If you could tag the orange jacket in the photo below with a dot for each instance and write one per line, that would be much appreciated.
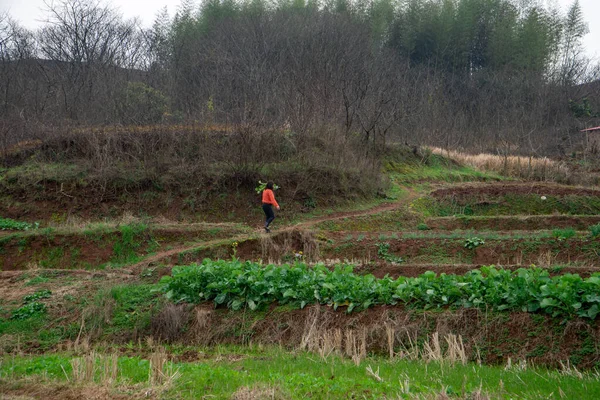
(268, 197)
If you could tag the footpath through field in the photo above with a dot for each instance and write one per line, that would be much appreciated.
(412, 195)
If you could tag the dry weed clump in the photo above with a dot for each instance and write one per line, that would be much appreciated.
(320, 337)
(570, 370)
(532, 168)
(351, 343)
(453, 352)
(94, 367)
(169, 324)
(289, 245)
(258, 393)
(161, 372)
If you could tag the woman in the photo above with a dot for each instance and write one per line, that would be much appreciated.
(268, 201)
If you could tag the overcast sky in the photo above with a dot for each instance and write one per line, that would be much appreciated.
(31, 12)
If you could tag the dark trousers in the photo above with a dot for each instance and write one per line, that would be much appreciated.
(269, 214)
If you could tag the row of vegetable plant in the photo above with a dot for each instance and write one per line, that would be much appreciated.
(238, 284)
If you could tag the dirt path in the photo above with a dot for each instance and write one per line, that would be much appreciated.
(354, 214)
(302, 225)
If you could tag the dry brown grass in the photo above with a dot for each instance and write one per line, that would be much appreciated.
(170, 322)
(29, 389)
(453, 352)
(161, 373)
(325, 342)
(304, 244)
(95, 367)
(531, 168)
(258, 393)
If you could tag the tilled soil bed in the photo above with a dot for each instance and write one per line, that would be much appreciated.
(290, 246)
(88, 251)
(507, 223)
(521, 251)
(497, 189)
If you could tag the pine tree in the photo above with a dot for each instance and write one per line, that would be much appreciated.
(575, 28)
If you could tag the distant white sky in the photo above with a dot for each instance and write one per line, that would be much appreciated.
(30, 14)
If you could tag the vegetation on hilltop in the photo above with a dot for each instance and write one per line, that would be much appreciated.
(498, 75)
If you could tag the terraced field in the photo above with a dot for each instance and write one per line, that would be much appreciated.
(76, 288)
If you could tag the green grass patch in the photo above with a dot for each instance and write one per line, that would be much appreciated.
(564, 234)
(509, 204)
(37, 329)
(405, 168)
(594, 230)
(37, 280)
(383, 221)
(490, 235)
(11, 224)
(407, 174)
(279, 374)
(131, 308)
(126, 247)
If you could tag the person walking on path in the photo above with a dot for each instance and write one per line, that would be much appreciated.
(268, 201)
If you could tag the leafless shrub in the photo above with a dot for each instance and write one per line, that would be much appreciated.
(170, 322)
(200, 326)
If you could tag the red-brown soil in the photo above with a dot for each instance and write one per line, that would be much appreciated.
(423, 251)
(25, 390)
(535, 337)
(494, 336)
(71, 250)
(13, 283)
(510, 223)
(517, 251)
(501, 189)
(55, 201)
(247, 243)
(503, 252)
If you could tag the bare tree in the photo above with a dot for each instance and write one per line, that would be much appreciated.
(90, 48)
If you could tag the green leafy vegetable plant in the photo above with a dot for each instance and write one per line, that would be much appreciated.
(238, 285)
(40, 294)
(564, 234)
(29, 310)
(383, 252)
(594, 230)
(31, 306)
(474, 242)
(11, 224)
(262, 186)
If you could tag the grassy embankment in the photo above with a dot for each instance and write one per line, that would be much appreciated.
(259, 372)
